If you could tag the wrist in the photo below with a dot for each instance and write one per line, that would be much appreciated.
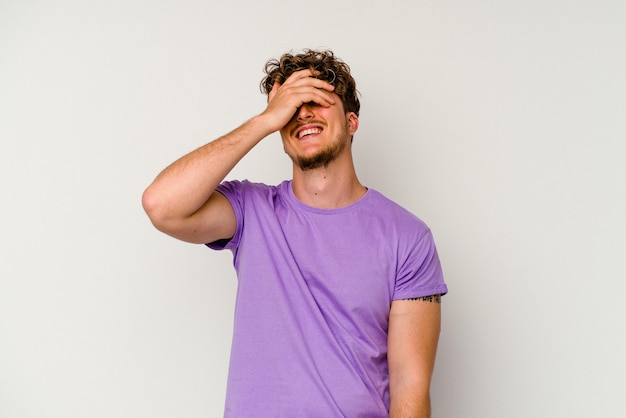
(268, 122)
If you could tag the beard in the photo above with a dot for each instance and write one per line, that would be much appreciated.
(322, 158)
(325, 156)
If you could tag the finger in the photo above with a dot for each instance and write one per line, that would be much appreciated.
(315, 95)
(300, 74)
(311, 82)
(307, 75)
(325, 100)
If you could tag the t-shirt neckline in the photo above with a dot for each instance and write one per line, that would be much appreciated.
(291, 196)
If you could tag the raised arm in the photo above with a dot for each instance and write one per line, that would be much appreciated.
(414, 327)
(182, 201)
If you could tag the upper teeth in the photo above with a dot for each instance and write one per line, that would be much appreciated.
(308, 132)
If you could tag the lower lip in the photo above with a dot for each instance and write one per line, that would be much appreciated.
(308, 136)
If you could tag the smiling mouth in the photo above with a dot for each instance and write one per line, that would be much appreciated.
(309, 131)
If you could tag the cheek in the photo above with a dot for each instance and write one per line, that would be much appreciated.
(288, 145)
(284, 133)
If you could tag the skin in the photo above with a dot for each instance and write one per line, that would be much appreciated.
(412, 345)
(182, 202)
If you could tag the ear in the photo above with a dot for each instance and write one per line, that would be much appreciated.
(353, 122)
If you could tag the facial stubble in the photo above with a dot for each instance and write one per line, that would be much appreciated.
(324, 156)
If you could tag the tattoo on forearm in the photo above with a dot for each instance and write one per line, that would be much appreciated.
(431, 298)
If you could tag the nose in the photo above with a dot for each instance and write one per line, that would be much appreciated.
(304, 112)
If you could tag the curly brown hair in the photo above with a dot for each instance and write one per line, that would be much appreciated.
(329, 67)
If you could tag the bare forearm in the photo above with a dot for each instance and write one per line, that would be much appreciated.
(410, 404)
(414, 327)
(184, 186)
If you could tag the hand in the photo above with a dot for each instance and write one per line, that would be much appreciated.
(301, 87)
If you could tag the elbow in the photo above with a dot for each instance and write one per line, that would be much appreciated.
(162, 214)
(153, 206)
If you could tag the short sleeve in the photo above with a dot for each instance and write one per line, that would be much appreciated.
(234, 191)
(420, 273)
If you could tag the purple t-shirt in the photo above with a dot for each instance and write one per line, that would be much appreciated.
(314, 292)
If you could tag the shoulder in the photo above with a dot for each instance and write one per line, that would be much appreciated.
(246, 195)
(397, 214)
(246, 187)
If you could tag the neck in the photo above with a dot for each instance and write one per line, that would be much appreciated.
(330, 187)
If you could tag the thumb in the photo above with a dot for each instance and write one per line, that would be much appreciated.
(272, 92)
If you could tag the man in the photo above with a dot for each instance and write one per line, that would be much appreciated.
(338, 300)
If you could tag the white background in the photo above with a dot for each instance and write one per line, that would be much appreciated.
(502, 124)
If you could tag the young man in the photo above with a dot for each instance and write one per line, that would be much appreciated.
(338, 301)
